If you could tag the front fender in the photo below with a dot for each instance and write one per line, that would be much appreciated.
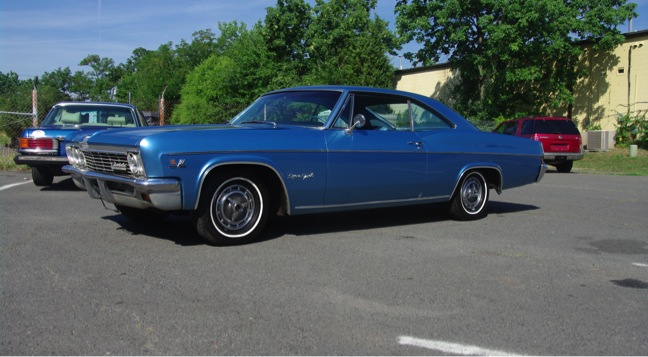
(242, 160)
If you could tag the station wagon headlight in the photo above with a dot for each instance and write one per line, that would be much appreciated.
(135, 164)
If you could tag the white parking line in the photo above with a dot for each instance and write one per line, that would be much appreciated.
(447, 347)
(640, 265)
(13, 185)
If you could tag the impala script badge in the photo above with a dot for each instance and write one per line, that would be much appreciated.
(301, 176)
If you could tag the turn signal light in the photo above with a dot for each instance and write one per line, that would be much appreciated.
(39, 143)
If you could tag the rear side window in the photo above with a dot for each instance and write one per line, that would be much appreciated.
(507, 128)
(555, 127)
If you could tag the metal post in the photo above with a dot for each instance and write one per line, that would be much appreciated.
(34, 107)
(162, 108)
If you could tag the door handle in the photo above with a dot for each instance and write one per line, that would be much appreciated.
(418, 144)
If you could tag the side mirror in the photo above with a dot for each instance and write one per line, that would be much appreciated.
(359, 122)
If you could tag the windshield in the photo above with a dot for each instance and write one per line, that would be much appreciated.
(306, 108)
(89, 115)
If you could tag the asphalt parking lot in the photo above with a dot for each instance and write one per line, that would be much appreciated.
(556, 268)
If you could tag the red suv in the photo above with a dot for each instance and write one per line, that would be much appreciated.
(560, 138)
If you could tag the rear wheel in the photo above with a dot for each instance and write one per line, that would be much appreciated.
(565, 166)
(42, 176)
(233, 209)
(469, 202)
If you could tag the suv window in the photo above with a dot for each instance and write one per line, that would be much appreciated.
(507, 128)
(556, 127)
(527, 127)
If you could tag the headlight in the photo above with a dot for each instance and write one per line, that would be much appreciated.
(75, 156)
(81, 161)
(135, 164)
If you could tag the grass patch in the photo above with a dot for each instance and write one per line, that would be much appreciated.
(614, 162)
(7, 154)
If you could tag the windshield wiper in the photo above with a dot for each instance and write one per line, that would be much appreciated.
(274, 125)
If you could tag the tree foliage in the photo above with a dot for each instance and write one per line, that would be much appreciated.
(226, 82)
(163, 71)
(348, 46)
(513, 56)
(334, 42)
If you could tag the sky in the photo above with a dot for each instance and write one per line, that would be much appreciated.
(38, 36)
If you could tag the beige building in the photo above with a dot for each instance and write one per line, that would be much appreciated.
(618, 83)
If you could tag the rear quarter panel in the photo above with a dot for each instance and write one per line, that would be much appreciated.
(452, 152)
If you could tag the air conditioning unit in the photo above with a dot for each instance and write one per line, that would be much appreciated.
(600, 140)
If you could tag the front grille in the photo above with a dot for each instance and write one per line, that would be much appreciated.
(108, 163)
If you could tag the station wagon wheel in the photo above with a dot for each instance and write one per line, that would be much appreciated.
(42, 176)
(233, 210)
(469, 201)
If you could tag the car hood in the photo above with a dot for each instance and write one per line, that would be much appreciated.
(132, 137)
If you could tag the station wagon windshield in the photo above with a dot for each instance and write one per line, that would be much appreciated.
(89, 115)
(304, 108)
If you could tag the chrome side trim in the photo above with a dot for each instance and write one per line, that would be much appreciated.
(469, 168)
(410, 201)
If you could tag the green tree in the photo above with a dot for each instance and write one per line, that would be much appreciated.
(347, 46)
(224, 84)
(61, 79)
(148, 74)
(285, 34)
(103, 77)
(513, 56)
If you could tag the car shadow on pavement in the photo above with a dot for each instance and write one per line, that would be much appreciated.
(179, 229)
(375, 218)
(62, 185)
(498, 207)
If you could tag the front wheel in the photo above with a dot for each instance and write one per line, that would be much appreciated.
(469, 202)
(233, 209)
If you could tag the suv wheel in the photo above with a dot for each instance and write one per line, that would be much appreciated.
(565, 166)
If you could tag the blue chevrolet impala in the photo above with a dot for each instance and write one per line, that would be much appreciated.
(304, 150)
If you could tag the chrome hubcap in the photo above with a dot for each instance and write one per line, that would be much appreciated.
(472, 194)
(234, 207)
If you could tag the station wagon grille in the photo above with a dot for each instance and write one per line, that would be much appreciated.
(109, 163)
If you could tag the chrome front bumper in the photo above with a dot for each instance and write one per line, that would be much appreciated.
(163, 194)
